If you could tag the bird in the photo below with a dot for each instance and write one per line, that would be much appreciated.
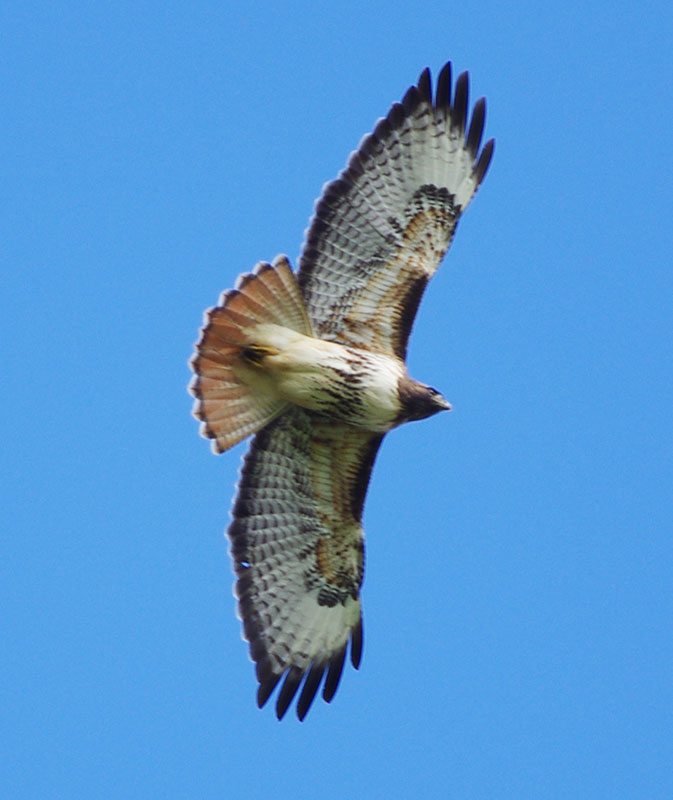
(312, 364)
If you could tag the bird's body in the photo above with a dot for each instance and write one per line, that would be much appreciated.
(314, 365)
(364, 389)
(339, 382)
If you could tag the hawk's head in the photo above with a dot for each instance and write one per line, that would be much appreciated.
(418, 400)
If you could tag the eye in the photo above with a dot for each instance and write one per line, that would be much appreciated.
(432, 390)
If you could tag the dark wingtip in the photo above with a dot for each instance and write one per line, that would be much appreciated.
(336, 666)
(443, 95)
(288, 690)
(476, 127)
(265, 689)
(396, 115)
(411, 99)
(425, 85)
(357, 636)
(481, 167)
(309, 690)
(460, 102)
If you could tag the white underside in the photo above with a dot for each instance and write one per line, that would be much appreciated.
(313, 373)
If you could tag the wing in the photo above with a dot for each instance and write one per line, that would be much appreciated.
(382, 227)
(298, 551)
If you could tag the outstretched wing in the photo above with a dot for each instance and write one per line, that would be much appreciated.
(298, 551)
(382, 227)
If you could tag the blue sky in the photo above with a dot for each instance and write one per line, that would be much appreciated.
(518, 598)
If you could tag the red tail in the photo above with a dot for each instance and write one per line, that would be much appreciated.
(229, 406)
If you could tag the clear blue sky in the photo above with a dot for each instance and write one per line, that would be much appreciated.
(518, 598)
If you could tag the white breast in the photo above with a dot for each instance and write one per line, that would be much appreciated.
(355, 386)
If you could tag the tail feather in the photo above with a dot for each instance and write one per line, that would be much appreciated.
(233, 400)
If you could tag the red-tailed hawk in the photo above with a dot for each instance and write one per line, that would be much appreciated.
(314, 365)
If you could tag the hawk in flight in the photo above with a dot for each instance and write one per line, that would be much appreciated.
(313, 364)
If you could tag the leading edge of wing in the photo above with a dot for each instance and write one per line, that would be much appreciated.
(297, 546)
(380, 229)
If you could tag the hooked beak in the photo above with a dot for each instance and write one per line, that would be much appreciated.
(443, 403)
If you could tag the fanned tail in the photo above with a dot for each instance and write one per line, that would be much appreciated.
(233, 398)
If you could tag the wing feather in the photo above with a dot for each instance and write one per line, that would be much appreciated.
(381, 229)
(298, 551)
